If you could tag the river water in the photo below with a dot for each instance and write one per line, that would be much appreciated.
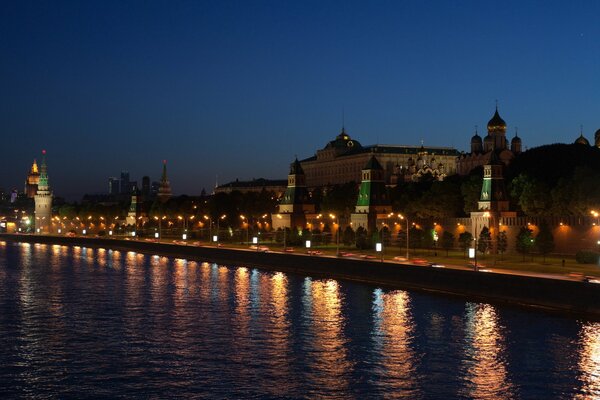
(78, 322)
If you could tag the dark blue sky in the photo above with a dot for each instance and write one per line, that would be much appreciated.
(238, 88)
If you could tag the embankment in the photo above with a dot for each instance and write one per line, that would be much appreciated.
(573, 297)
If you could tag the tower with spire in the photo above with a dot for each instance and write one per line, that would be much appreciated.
(493, 202)
(164, 190)
(296, 203)
(32, 181)
(373, 199)
(43, 201)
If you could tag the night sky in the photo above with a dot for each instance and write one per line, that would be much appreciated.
(237, 89)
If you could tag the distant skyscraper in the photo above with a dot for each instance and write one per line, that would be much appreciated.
(164, 192)
(154, 187)
(43, 201)
(124, 186)
(113, 185)
(146, 187)
(31, 183)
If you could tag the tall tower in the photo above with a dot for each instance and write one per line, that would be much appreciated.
(164, 191)
(493, 203)
(43, 201)
(372, 196)
(295, 203)
(132, 214)
(33, 179)
(493, 191)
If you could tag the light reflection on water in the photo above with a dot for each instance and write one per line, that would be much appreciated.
(589, 363)
(75, 320)
(485, 362)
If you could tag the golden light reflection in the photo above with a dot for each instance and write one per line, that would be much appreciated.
(394, 334)
(102, 258)
(486, 367)
(328, 352)
(589, 362)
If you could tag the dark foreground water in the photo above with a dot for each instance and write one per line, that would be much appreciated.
(80, 323)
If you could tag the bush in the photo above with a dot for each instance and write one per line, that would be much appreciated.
(587, 257)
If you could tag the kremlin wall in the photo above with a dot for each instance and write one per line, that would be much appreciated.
(378, 168)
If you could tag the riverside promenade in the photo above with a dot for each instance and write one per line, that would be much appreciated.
(576, 298)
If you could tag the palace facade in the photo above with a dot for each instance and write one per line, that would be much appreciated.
(343, 158)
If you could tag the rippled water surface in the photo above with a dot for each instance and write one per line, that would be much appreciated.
(78, 322)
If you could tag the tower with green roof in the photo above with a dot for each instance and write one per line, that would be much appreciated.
(43, 201)
(296, 202)
(493, 202)
(373, 198)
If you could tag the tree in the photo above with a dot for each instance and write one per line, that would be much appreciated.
(532, 195)
(361, 238)
(524, 241)
(464, 240)
(386, 236)
(471, 191)
(544, 240)
(348, 236)
(485, 240)
(447, 241)
(502, 242)
(416, 237)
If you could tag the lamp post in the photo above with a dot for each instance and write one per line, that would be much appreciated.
(284, 232)
(407, 230)
(218, 221)
(209, 219)
(243, 218)
(336, 221)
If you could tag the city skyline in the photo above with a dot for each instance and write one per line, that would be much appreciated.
(238, 90)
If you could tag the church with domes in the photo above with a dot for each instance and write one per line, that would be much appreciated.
(494, 142)
(582, 140)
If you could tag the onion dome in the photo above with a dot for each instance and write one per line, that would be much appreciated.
(597, 138)
(496, 124)
(582, 140)
(515, 140)
(476, 139)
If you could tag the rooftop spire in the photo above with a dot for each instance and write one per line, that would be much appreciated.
(164, 191)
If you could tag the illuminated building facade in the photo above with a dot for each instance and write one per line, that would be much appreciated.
(343, 159)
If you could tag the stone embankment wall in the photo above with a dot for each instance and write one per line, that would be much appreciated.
(581, 298)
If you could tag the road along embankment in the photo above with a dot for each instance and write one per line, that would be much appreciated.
(580, 298)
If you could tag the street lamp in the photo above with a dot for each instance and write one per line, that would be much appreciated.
(209, 219)
(284, 233)
(407, 230)
(243, 218)
(219, 220)
(337, 233)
